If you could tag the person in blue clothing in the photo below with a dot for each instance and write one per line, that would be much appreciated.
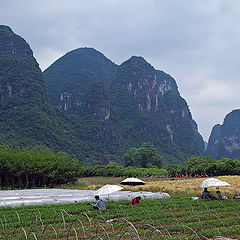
(99, 205)
(207, 194)
(220, 196)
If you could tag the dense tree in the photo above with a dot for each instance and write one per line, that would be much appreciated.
(27, 168)
(142, 156)
(199, 164)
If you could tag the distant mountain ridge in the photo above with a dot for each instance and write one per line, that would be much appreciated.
(224, 140)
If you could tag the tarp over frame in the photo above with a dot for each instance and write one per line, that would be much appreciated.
(62, 196)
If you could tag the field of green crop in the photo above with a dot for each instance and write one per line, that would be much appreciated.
(174, 218)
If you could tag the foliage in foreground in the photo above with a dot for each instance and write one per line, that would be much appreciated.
(153, 219)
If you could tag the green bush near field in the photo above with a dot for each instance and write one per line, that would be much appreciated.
(35, 167)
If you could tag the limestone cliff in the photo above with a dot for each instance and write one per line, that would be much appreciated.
(151, 109)
(100, 108)
(124, 105)
(70, 76)
(27, 117)
(224, 140)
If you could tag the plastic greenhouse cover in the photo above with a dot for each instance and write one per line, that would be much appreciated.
(61, 196)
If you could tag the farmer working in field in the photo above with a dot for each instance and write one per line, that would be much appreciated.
(221, 196)
(135, 200)
(100, 205)
(207, 194)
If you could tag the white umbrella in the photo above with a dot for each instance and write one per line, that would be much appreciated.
(213, 182)
(132, 181)
(107, 189)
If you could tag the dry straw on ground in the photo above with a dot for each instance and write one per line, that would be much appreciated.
(191, 186)
(174, 187)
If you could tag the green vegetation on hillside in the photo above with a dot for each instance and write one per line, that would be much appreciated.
(27, 117)
(134, 106)
(70, 76)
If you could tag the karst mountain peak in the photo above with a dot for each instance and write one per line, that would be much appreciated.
(87, 106)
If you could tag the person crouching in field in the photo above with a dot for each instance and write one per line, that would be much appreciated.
(100, 204)
(220, 196)
(236, 196)
(135, 200)
(207, 194)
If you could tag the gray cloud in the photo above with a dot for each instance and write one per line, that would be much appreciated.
(197, 42)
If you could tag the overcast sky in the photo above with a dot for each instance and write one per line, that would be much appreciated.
(196, 42)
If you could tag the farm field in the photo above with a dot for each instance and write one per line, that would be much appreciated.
(175, 187)
(174, 218)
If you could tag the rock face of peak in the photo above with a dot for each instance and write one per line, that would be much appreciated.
(21, 78)
(224, 140)
(152, 110)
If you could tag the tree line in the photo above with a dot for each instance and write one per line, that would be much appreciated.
(205, 166)
(120, 171)
(41, 167)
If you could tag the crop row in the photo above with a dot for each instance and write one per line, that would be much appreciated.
(153, 219)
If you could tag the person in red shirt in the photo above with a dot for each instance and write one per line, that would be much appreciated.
(135, 200)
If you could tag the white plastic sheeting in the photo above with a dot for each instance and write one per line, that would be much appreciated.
(61, 196)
